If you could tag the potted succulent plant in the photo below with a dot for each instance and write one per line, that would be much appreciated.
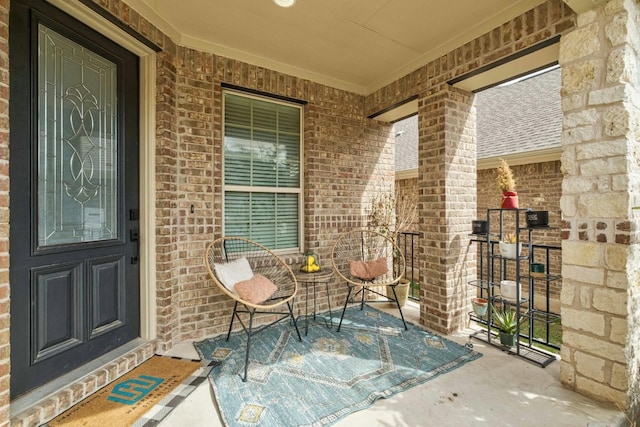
(507, 185)
(506, 320)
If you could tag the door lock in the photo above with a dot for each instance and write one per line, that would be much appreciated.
(134, 237)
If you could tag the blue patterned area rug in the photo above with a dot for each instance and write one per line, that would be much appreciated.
(329, 374)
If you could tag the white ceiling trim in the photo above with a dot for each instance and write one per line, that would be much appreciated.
(516, 67)
(407, 174)
(150, 15)
(517, 159)
(581, 6)
(400, 112)
(218, 49)
(527, 158)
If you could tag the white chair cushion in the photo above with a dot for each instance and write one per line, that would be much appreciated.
(232, 272)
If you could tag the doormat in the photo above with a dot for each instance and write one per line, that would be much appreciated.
(329, 374)
(141, 398)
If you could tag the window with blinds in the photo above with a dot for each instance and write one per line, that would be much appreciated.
(262, 171)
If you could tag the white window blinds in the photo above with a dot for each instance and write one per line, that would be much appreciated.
(262, 174)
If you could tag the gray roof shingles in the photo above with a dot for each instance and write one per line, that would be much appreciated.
(515, 118)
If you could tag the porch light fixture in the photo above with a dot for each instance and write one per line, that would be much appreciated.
(284, 3)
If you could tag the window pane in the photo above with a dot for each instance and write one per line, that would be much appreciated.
(237, 110)
(265, 115)
(237, 154)
(288, 161)
(268, 218)
(288, 119)
(262, 151)
(264, 159)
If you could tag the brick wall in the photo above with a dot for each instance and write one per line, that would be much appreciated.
(346, 157)
(446, 122)
(166, 172)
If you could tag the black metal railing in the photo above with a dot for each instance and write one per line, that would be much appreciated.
(407, 243)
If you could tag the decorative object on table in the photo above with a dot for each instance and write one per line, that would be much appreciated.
(161, 383)
(507, 185)
(536, 269)
(510, 289)
(479, 227)
(510, 247)
(258, 281)
(368, 260)
(506, 320)
(537, 219)
(310, 264)
(312, 382)
(480, 306)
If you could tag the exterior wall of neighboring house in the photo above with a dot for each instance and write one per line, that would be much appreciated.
(347, 158)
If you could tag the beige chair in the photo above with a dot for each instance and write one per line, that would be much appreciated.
(256, 279)
(370, 263)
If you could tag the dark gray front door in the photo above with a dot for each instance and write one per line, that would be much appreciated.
(73, 197)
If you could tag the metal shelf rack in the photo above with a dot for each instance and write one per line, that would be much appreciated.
(494, 268)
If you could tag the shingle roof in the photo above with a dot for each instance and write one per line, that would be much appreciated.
(511, 119)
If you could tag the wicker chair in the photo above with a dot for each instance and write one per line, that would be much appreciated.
(256, 279)
(368, 262)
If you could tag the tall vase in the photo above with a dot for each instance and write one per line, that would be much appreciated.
(509, 200)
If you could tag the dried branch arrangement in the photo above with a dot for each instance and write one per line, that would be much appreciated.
(393, 213)
(505, 177)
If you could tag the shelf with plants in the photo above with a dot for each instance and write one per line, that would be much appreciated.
(511, 299)
(507, 251)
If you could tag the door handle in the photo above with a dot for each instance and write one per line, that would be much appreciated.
(134, 237)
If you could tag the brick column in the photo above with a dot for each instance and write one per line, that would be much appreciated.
(600, 251)
(447, 180)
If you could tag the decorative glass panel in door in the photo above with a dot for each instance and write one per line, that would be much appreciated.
(77, 149)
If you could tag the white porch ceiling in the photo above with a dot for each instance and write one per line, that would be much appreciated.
(356, 45)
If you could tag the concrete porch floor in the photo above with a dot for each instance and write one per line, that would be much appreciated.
(495, 390)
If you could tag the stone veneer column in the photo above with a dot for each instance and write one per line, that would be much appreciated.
(447, 177)
(600, 250)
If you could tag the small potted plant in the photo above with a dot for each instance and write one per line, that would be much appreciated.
(508, 246)
(480, 306)
(507, 185)
(506, 320)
